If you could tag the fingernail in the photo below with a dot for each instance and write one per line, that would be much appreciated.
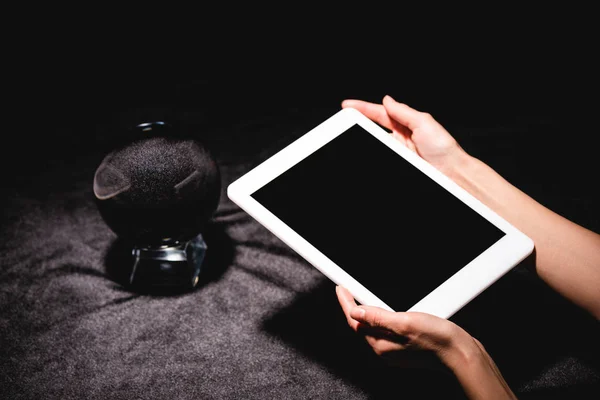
(357, 313)
(388, 97)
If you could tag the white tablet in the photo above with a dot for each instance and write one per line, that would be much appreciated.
(377, 219)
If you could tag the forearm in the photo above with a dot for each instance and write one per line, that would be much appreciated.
(567, 255)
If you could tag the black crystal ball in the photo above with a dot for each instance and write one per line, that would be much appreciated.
(159, 189)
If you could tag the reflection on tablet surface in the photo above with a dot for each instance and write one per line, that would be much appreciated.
(391, 227)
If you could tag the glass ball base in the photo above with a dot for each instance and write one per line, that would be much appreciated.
(171, 267)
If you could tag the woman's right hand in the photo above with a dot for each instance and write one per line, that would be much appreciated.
(418, 131)
(413, 339)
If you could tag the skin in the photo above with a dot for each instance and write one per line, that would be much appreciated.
(566, 257)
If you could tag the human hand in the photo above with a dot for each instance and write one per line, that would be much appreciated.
(409, 339)
(417, 130)
(420, 340)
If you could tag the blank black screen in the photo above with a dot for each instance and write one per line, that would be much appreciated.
(391, 227)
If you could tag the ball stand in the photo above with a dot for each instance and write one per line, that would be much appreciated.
(172, 265)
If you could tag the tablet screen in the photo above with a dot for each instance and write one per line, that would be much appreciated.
(387, 224)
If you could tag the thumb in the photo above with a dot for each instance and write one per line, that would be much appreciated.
(378, 317)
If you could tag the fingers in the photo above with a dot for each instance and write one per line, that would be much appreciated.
(387, 113)
(402, 113)
(379, 114)
(382, 345)
(347, 302)
(396, 327)
(367, 317)
(376, 317)
(375, 112)
(411, 145)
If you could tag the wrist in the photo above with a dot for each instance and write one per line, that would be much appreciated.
(461, 166)
(475, 371)
(476, 178)
(462, 354)
(465, 357)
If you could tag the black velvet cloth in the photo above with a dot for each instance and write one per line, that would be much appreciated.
(262, 323)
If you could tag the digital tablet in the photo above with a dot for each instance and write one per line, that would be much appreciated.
(377, 219)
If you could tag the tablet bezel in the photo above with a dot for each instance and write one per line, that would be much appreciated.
(445, 299)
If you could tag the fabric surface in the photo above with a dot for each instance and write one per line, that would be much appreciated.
(262, 323)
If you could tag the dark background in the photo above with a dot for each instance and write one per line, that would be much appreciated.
(517, 91)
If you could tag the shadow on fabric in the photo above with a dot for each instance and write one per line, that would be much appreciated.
(316, 326)
(524, 326)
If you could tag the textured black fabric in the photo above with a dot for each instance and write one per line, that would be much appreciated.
(262, 323)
